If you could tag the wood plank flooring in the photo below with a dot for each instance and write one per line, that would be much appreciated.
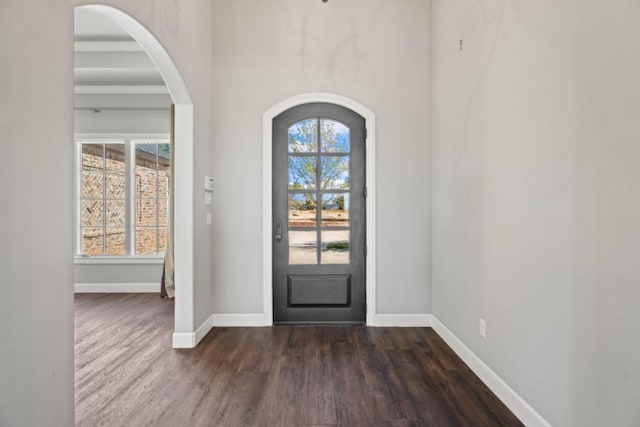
(127, 374)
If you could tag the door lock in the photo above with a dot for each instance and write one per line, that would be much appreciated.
(279, 231)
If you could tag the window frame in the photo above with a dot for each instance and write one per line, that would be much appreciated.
(128, 140)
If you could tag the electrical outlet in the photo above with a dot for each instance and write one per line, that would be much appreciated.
(483, 328)
(209, 219)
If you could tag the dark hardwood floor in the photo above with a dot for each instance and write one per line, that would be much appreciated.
(127, 374)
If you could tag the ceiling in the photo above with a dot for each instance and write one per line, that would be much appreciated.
(109, 64)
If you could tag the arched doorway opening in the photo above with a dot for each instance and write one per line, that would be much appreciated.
(183, 166)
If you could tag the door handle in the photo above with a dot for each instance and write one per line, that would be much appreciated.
(279, 231)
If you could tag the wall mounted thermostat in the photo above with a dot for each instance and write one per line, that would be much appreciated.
(208, 183)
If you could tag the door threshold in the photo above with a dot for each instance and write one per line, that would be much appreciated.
(311, 323)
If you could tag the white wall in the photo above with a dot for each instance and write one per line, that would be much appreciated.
(536, 207)
(36, 134)
(123, 121)
(376, 53)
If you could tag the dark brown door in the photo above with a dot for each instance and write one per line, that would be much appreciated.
(319, 218)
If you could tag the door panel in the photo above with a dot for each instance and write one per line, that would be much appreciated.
(319, 218)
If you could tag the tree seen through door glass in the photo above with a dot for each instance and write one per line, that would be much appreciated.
(303, 137)
(335, 210)
(335, 173)
(318, 179)
(334, 136)
(302, 210)
(302, 172)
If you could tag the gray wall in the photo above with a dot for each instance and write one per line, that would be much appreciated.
(36, 134)
(36, 254)
(376, 53)
(118, 273)
(536, 206)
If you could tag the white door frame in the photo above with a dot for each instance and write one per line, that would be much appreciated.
(267, 180)
(184, 328)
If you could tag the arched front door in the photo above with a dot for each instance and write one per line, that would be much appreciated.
(319, 217)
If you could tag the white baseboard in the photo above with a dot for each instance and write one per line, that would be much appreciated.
(401, 320)
(191, 339)
(240, 320)
(529, 416)
(117, 288)
(260, 319)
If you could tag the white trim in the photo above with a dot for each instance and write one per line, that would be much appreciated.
(130, 195)
(120, 90)
(240, 320)
(118, 137)
(267, 136)
(529, 416)
(107, 46)
(129, 173)
(154, 49)
(184, 164)
(418, 320)
(118, 260)
(191, 339)
(91, 288)
(183, 220)
(77, 193)
(402, 320)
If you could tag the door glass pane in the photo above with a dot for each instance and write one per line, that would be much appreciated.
(334, 136)
(303, 137)
(335, 210)
(335, 173)
(303, 247)
(335, 247)
(302, 210)
(302, 172)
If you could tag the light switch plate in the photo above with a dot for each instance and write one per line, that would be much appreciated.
(208, 183)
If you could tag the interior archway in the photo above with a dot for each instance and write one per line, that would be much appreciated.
(183, 163)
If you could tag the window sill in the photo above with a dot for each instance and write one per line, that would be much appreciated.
(119, 260)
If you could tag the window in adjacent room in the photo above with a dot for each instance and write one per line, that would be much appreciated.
(123, 197)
